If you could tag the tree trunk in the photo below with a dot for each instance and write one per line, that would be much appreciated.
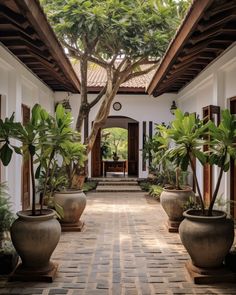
(84, 107)
(104, 110)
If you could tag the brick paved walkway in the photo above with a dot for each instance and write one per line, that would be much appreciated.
(124, 250)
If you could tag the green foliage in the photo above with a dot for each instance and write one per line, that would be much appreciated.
(189, 133)
(114, 140)
(6, 216)
(155, 191)
(89, 185)
(40, 140)
(134, 28)
(161, 166)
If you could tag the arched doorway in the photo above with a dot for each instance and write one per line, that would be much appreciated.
(132, 127)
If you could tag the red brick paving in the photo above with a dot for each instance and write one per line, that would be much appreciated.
(124, 250)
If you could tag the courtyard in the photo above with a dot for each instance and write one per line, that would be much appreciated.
(125, 249)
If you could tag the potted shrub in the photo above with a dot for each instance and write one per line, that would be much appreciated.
(72, 199)
(35, 233)
(207, 234)
(175, 194)
(8, 255)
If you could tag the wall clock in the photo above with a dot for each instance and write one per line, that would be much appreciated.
(117, 106)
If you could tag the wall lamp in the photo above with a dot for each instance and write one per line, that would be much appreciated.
(173, 107)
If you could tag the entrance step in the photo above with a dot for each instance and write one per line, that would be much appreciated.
(114, 179)
(118, 188)
(118, 185)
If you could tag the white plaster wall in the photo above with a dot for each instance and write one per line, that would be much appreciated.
(19, 86)
(215, 85)
(138, 107)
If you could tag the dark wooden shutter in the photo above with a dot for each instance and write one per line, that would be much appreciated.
(25, 198)
(209, 113)
(97, 156)
(0, 118)
(150, 136)
(144, 141)
(133, 142)
(233, 169)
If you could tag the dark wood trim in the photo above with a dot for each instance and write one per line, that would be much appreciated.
(0, 118)
(150, 136)
(144, 166)
(25, 179)
(208, 114)
(233, 168)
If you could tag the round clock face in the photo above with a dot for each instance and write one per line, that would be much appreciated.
(117, 106)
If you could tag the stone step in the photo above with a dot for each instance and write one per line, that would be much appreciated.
(123, 188)
(118, 183)
(113, 179)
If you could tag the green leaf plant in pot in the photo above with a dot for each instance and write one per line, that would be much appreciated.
(207, 234)
(8, 255)
(35, 233)
(72, 199)
(174, 195)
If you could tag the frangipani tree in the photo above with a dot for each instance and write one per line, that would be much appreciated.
(126, 38)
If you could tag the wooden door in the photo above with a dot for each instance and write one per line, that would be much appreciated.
(233, 169)
(25, 198)
(97, 157)
(133, 143)
(209, 113)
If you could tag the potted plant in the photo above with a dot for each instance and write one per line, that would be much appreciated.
(72, 199)
(8, 255)
(207, 234)
(35, 233)
(175, 194)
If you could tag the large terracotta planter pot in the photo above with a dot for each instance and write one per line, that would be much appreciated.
(73, 203)
(207, 239)
(173, 202)
(35, 238)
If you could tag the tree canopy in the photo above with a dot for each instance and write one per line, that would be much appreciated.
(119, 35)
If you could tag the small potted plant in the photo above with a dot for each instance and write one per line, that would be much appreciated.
(72, 199)
(8, 255)
(207, 234)
(174, 195)
(115, 156)
(35, 233)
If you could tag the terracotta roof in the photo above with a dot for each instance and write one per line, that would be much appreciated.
(207, 31)
(25, 32)
(97, 79)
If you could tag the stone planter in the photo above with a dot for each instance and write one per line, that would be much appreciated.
(207, 239)
(35, 238)
(73, 203)
(173, 202)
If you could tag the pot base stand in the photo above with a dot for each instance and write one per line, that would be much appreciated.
(173, 226)
(67, 227)
(203, 276)
(29, 275)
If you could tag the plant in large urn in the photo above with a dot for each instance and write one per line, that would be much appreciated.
(207, 234)
(36, 232)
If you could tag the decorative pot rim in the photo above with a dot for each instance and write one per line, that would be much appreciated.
(184, 189)
(193, 214)
(27, 215)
